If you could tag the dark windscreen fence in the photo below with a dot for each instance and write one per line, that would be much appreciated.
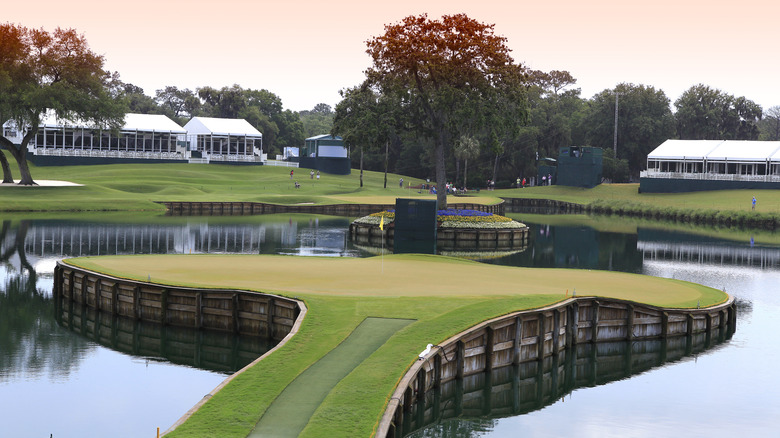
(415, 226)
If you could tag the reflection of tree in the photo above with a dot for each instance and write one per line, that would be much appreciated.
(457, 427)
(28, 339)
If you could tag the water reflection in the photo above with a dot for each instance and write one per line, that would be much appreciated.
(207, 350)
(35, 351)
(517, 390)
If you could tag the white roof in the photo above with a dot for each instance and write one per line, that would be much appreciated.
(151, 122)
(743, 150)
(717, 150)
(683, 149)
(133, 122)
(217, 126)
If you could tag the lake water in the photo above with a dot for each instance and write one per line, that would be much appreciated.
(56, 381)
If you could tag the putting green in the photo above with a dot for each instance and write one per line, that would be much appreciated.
(442, 295)
(289, 413)
(395, 276)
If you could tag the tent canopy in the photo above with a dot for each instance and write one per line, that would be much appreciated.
(218, 126)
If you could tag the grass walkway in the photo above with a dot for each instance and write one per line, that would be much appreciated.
(289, 413)
(443, 296)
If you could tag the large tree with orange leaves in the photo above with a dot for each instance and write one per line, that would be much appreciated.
(55, 71)
(455, 76)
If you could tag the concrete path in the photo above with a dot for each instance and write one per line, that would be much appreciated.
(290, 412)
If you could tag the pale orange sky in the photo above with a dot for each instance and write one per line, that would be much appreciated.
(306, 51)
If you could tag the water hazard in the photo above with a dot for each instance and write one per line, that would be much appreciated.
(107, 375)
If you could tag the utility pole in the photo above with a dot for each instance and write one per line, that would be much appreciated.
(614, 144)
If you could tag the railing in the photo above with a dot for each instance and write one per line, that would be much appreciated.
(280, 163)
(109, 154)
(708, 176)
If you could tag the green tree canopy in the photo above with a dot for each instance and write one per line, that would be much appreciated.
(705, 113)
(644, 121)
(55, 71)
(318, 121)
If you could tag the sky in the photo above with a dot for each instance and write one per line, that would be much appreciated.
(305, 51)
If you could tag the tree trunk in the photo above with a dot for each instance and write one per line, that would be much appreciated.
(441, 173)
(465, 173)
(7, 177)
(387, 147)
(20, 155)
(361, 167)
(495, 168)
(457, 171)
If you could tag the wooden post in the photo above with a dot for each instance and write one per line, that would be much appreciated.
(198, 310)
(689, 325)
(630, 323)
(594, 321)
(164, 306)
(98, 285)
(460, 360)
(236, 324)
(137, 301)
(575, 323)
(518, 341)
(437, 370)
(488, 348)
(556, 330)
(271, 309)
(664, 325)
(114, 298)
(421, 384)
(540, 346)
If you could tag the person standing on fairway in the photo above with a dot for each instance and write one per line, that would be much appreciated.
(754, 202)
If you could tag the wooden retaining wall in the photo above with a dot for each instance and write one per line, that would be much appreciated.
(211, 350)
(543, 206)
(242, 312)
(461, 238)
(531, 337)
(251, 208)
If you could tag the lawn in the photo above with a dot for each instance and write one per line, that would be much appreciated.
(140, 187)
(443, 295)
(137, 187)
(723, 200)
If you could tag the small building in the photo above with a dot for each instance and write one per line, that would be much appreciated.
(143, 137)
(697, 165)
(579, 166)
(225, 140)
(325, 153)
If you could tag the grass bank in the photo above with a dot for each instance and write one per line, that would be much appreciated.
(725, 207)
(443, 295)
(139, 187)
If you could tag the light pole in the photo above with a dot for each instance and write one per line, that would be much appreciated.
(614, 143)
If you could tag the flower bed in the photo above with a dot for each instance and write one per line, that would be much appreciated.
(450, 218)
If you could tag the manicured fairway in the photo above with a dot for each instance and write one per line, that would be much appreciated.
(442, 295)
(289, 413)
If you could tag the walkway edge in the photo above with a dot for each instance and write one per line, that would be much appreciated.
(295, 328)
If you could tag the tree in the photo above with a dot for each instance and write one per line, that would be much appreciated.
(705, 113)
(138, 102)
(466, 147)
(644, 122)
(317, 121)
(178, 103)
(770, 125)
(56, 71)
(364, 119)
(442, 70)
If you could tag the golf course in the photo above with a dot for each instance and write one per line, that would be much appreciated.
(379, 312)
(426, 299)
